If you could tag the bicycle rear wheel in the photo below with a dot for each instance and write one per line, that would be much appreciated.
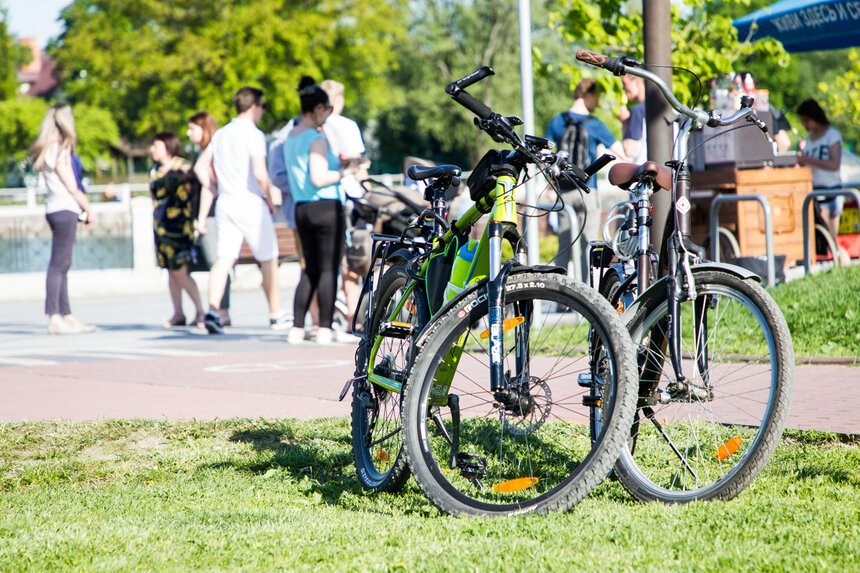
(377, 437)
(527, 447)
(709, 436)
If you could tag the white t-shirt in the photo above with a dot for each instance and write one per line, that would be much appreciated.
(820, 149)
(59, 197)
(344, 138)
(233, 146)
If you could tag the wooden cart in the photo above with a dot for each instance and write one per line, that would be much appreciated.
(784, 189)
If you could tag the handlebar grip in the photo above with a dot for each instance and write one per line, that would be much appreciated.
(472, 78)
(473, 104)
(613, 65)
(599, 164)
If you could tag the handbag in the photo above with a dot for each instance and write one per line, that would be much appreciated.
(359, 248)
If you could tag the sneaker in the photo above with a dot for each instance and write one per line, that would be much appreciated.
(78, 326)
(325, 336)
(296, 336)
(282, 322)
(56, 325)
(212, 322)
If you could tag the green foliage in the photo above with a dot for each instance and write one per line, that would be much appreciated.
(152, 64)
(20, 119)
(450, 39)
(97, 132)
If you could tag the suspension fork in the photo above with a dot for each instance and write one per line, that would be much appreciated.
(503, 222)
(674, 296)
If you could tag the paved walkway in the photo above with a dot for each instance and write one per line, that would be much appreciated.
(132, 368)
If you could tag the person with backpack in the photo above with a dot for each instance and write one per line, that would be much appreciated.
(579, 133)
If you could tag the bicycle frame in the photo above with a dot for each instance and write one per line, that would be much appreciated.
(678, 255)
(486, 262)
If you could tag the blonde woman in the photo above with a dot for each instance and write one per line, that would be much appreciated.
(65, 205)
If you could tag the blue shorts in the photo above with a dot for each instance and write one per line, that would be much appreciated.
(832, 204)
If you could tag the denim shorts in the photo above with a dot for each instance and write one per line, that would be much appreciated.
(832, 204)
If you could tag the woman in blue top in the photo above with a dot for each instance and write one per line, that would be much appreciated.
(314, 174)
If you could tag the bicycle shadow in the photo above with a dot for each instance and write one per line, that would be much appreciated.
(321, 466)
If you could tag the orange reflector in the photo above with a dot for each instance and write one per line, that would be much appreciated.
(508, 324)
(382, 455)
(727, 449)
(401, 324)
(410, 306)
(512, 485)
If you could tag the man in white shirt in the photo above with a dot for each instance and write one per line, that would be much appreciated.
(244, 209)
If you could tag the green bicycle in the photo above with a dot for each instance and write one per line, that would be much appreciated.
(490, 363)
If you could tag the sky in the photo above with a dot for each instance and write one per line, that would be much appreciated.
(34, 18)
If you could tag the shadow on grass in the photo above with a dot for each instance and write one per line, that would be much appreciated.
(320, 460)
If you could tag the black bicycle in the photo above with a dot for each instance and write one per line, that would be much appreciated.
(716, 362)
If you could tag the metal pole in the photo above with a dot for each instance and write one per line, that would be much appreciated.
(526, 81)
(657, 20)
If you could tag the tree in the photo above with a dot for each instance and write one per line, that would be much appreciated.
(152, 63)
(450, 39)
(12, 56)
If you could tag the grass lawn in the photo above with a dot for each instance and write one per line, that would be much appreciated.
(281, 495)
(822, 312)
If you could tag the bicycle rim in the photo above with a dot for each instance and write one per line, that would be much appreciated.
(530, 450)
(711, 438)
(377, 433)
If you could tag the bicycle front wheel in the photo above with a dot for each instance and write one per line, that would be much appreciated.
(708, 436)
(377, 438)
(525, 447)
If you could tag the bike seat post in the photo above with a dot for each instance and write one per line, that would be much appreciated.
(440, 204)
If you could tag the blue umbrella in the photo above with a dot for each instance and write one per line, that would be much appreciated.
(805, 25)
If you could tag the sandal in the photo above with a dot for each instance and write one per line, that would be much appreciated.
(174, 322)
(199, 321)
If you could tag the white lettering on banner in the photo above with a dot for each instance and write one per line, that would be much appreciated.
(818, 16)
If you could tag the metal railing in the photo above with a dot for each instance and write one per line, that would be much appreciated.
(768, 229)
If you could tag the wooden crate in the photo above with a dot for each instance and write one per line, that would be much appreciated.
(785, 189)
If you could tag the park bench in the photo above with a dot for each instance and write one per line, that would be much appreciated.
(287, 251)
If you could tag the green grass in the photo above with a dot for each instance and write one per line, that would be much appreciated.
(281, 495)
(822, 312)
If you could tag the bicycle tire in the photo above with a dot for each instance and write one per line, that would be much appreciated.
(724, 430)
(540, 458)
(377, 442)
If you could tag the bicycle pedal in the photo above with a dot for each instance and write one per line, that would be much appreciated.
(472, 466)
(397, 330)
(592, 401)
(585, 380)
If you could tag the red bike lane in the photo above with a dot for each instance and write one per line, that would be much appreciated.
(301, 381)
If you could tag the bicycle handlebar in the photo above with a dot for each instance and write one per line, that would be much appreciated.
(626, 65)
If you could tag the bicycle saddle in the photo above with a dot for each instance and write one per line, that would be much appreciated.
(422, 172)
(624, 175)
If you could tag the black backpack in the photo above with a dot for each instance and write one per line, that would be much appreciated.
(574, 140)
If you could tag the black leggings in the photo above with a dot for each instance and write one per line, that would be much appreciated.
(321, 227)
(63, 225)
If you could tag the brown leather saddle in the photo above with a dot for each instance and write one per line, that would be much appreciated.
(624, 175)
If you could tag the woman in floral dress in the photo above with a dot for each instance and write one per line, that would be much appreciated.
(175, 193)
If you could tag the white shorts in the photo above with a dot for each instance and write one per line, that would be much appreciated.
(247, 217)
